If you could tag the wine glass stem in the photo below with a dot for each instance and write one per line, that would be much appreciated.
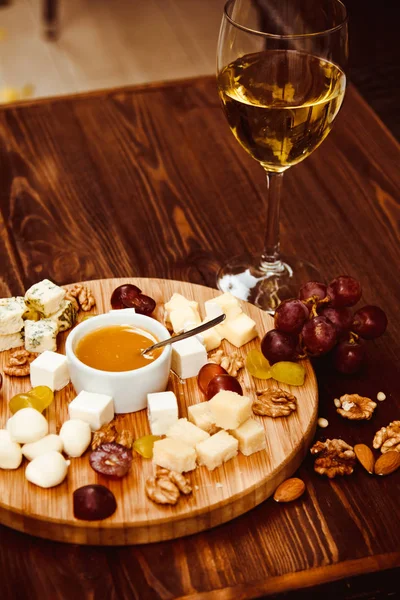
(270, 258)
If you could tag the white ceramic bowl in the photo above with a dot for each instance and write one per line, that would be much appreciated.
(129, 389)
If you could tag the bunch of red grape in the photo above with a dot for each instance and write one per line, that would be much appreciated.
(320, 321)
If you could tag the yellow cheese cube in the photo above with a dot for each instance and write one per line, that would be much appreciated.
(187, 433)
(240, 330)
(251, 437)
(216, 450)
(174, 455)
(178, 302)
(229, 409)
(182, 316)
(225, 303)
(201, 416)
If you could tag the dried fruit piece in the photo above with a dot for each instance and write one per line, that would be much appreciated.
(39, 398)
(365, 457)
(335, 457)
(257, 365)
(387, 463)
(144, 445)
(289, 490)
(208, 372)
(111, 459)
(274, 403)
(223, 382)
(93, 503)
(355, 407)
(388, 438)
(288, 372)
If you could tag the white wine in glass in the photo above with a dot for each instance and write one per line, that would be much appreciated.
(281, 81)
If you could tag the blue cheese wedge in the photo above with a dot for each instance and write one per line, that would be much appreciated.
(11, 311)
(66, 315)
(13, 340)
(45, 297)
(41, 335)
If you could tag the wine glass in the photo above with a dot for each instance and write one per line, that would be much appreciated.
(281, 80)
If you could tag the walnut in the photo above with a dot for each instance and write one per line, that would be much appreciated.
(232, 363)
(274, 403)
(107, 433)
(162, 490)
(82, 296)
(181, 482)
(355, 407)
(19, 363)
(336, 457)
(125, 438)
(388, 438)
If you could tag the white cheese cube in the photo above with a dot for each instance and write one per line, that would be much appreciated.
(201, 416)
(187, 433)
(216, 450)
(184, 316)
(162, 411)
(224, 304)
(188, 356)
(40, 335)
(178, 302)
(240, 330)
(174, 455)
(11, 311)
(210, 338)
(229, 409)
(50, 369)
(45, 297)
(95, 409)
(66, 315)
(251, 437)
(13, 340)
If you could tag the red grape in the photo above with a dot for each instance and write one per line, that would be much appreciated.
(342, 318)
(291, 315)
(111, 459)
(207, 372)
(369, 322)
(319, 336)
(223, 382)
(278, 345)
(143, 305)
(348, 357)
(344, 291)
(313, 288)
(123, 296)
(93, 503)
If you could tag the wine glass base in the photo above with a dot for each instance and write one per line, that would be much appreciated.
(266, 287)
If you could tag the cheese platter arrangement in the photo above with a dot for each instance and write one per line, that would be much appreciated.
(102, 444)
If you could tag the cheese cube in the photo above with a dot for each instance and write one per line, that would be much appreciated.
(45, 297)
(174, 455)
(187, 433)
(188, 356)
(240, 330)
(184, 316)
(13, 340)
(162, 411)
(66, 315)
(40, 335)
(201, 416)
(251, 437)
(223, 304)
(210, 338)
(178, 302)
(95, 409)
(229, 409)
(50, 369)
(216, 450)
(11, 311)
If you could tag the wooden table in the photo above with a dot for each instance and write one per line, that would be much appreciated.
(150, 182)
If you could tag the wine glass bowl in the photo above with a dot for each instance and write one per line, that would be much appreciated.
(281, 82)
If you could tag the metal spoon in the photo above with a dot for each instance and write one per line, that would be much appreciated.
(186, 334)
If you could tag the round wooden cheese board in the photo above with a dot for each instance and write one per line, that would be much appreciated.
(218, 496)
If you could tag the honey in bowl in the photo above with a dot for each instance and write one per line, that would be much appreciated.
(116, 348)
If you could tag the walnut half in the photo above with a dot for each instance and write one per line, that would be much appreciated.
(81, 295)
(232, 363)
(274, 403)
(19, 363)
(166, 486)
(355, 407)
(335, 457)
(388, 438)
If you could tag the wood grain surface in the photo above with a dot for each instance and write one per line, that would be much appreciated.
(218, 496)
(151, 183)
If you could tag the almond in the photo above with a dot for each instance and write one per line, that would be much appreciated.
(365, 457)
(387, 463)
(289, 490)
